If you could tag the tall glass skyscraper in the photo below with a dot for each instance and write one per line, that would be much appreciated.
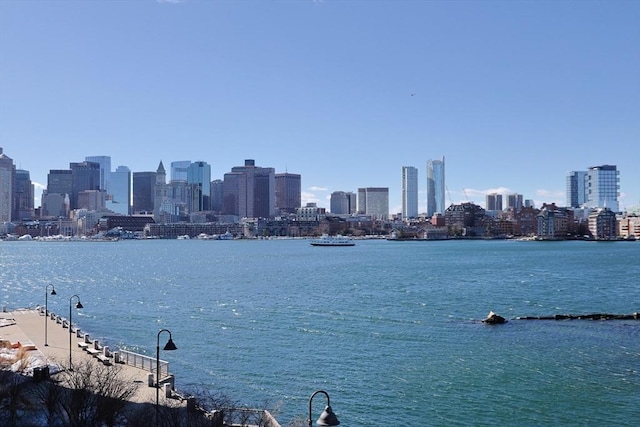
(435, 186)
(121, 190)
(105, 170)
(601, 186)
(409, 192)
(576, 194)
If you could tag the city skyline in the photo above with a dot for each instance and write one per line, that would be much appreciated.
(409, 173)
(514, 95)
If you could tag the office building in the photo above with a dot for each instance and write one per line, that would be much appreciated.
(7, 177)
(494, 202)
(435, 187)
(84, 176)
(249, 191)
(374, 201)
(576, 194)
(180, 170)
(23, 196)
(199, 177)
(120, 191)
(216, 195)
(409, 192)
(60, 181)
(602, 186)
(288, 192)
(143, 192)
(514, 201)
(343, 203)
(105, 171)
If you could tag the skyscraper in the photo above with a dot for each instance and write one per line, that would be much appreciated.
(435, 186)
(494, 202)
(143, 191)
(514, 201)
(180, 170)
(120, 190)
(374, 201)
(576, 194)
(601, 186)
(409, 192)
(342, 203)
(23, 196)
(249, 191)
(199, 177)
(105, 171)
(288, 192)
(7, 177)
(84, 176)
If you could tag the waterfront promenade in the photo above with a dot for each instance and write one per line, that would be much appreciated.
(27, 326)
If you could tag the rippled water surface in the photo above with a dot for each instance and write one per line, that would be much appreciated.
(389, 329)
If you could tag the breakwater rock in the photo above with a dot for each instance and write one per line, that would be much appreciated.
(593, 316)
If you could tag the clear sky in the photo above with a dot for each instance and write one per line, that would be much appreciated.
(514, 94)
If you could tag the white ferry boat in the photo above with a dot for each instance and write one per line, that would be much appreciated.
(327, 240)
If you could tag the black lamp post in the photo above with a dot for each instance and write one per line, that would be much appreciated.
(168, 346)
(78, 305)
(327, 418)
(46, 308)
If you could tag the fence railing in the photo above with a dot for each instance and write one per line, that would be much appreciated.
(146, 363)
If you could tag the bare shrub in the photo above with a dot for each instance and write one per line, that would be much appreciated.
(91, 394)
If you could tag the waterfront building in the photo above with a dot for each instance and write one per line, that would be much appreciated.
(84, 176)
(409, 192)
(602, 185)
(494, 202)
(249, 191)
(120, 192)
(435, 187)
(602, 224)
(514, 201)
(374, 201)
(143, 192)
(466, 218)
(288, 192)
(105, 171)
(552, 223)
(7, 177)
(576, 194)
(629, 226)
(23, 196)
(342, 203)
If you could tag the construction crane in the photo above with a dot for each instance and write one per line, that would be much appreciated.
(449, 194)
(465, 194)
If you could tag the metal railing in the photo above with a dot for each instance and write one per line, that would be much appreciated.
(146, 363)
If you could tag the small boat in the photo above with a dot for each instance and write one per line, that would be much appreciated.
(327, 240)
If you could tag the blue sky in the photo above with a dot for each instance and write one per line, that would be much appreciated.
(514, 94)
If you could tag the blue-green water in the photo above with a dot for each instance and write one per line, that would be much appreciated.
(389, 329)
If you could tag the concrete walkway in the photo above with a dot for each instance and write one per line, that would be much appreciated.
(29, 330)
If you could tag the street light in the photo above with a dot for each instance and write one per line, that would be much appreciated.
(78, 305)
(327, 418)
(46, 308)
(168, 346)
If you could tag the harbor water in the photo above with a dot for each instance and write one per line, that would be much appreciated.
(391, 330)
